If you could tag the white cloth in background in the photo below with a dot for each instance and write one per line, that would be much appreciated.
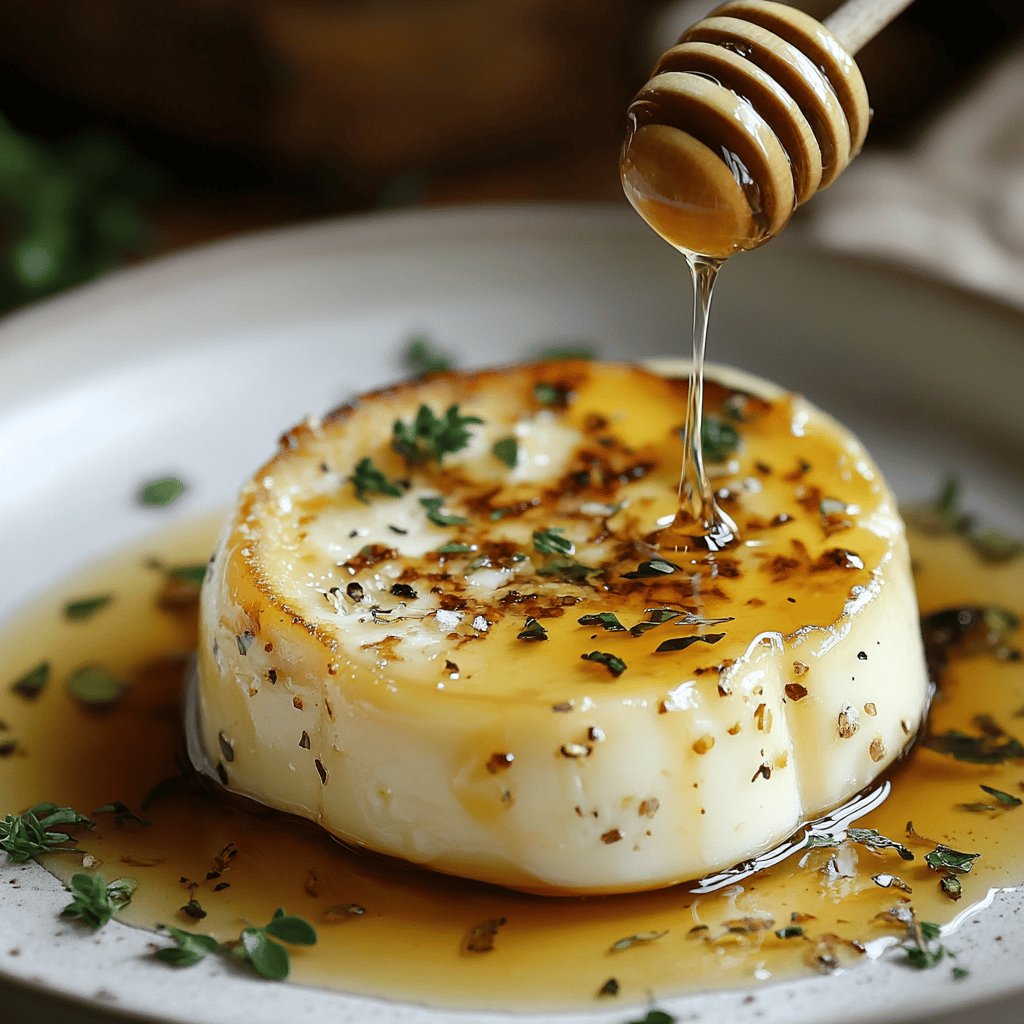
(951, 206)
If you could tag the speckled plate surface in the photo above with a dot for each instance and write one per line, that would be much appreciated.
(198, 362)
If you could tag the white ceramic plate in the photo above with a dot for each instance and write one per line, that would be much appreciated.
(195, 364)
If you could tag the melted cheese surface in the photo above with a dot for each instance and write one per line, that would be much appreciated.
(385, 676)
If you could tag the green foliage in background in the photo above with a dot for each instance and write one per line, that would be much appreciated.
(68, 213)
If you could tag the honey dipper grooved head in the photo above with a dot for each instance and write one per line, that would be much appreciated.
(757, 94)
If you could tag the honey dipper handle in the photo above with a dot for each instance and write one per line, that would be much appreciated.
(858, 21)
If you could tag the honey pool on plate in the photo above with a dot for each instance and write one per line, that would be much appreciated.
(386, 929)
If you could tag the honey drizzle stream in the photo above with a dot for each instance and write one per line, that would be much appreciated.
(409, 943)
(699, 522)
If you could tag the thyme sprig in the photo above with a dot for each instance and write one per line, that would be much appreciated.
(36, 831)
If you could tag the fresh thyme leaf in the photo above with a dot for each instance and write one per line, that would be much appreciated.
(959, 973)
(24, 836)
(942, 858)
(188, 949)
(533, 630)
(983, 749)
(558, 353)
(615, 665)
(453, 547)
(606, 620)
(432, 437)
(422, 357)
(680, 643)
(368, 479)
(553, 541)
(121, 812)
(1006, 799)
(95, 901)
(267, 957)
(791, 931)
(296, 931)
(32, 683)
(95, 686)
(567, 569)
(84, 607)
(655, 1017)
(652, 569)
(164, 491)
(439, 518)
(636, 940)
(507, 450)
(718, 439)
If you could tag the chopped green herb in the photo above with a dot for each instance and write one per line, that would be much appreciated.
(439, 518)
(951, 886)
(188, 948)
(874, 840)
(718, 439)
(194, 910)
(869, 837)
(454, 548)
(945, 515)
(95, 686)
(432, 437)
(553, 541)
(267, 957)
(609, 988)
(791, 931)
(1006, 799)
(636, 940)
(920, 947)
(507, 450)
(191, 574)
(606, 620)
(27, 835)
(95, 901)
(551, 394)
(32, 683)
(567, 569)
(652, 569)
(680, 643)
(942, 858)
(121, 812)
(615, 665)
(368, 479)
(655, 1017)
(158, 493)
(959, 973)
(423, 357)
(886, 881)
(84, 607)
(533, 630)
(559, 353)
(983, 749)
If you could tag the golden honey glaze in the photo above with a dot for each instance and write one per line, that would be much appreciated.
(386, 929)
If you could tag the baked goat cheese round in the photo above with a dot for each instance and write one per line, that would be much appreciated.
(440, 625)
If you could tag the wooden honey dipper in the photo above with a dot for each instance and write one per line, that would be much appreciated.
(754, 110)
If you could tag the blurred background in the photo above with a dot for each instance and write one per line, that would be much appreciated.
(131, 128)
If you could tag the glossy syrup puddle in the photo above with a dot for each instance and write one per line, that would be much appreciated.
(409, 944)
